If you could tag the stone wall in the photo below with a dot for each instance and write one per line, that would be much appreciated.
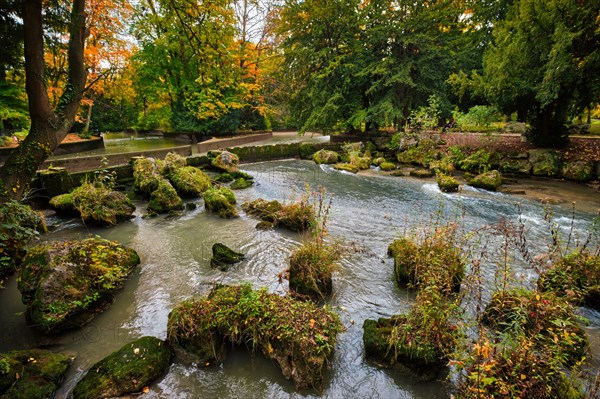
(217, 143)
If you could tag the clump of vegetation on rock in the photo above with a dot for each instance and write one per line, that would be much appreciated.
(421, 173)
(172, 163)
(326, 157)
(241, 183)
(544, 162)
(126, 371)
(19, 224)
(295, 216)
(491, 180)
(164, 199)
(387, 166)
(346, 167)
(223, 256)
(580, 171)
(64, 284)
(146, 175)
(189, 181)
(432, 258)
(446, 183)
(224, 160)
(298, 336)
(575, 277)
(423, 154)
(220, 201)
(31, 374)
(480, 161)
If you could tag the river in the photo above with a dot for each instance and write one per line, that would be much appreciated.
(368, 212)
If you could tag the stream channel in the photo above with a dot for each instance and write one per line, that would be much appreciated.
(368, 212)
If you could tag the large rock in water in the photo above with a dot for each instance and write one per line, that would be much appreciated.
(326, 157)
(189, 181)
(491, 180)
(223, 256)
(126, 371)
(31, 374)
(226, 161)
(220, 201)
(65, 284)
(164, 199)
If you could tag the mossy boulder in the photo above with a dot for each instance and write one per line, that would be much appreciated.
(387, 166)
(298, 336)
(297, 216)
(421, 173)
(545, 317)
(491, 180)
(18, 225)
(378, 161)
(223, 256)
(446, 183)
(361, 161)
(171, 163)
(220, 201)
(164, 199)
(224, 178)
(241, 183)
(544, 162)
(189, 181)
(146, 175)
(311, 269)
(518, 166)
(580, 171)
(31, 374)
(95, 203)
(436, 260)
(326, 157)
(226, 161)
(575, 277)
(64, 284)
(353, 147)
(126, 371)
(346, 167)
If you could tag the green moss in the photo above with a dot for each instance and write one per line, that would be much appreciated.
(326, 157)
(346, 167)
(296, 216)
(164, 199)
(225, 161)
(361, 162)
(387, 166)
(447, 184)
(544, 162)
(580, 171)
(241, 183)
(63, 203)
(480, 161)
(421, 173)
(189, 181)
(171, 163)
(224, 178)
(518, 166)
(311, 269)
(548, 319)
(31, 374)
(126, 371)
(97, 203)
(307, 150)
(264, 210)
(56, 181)
(220, 201)
(378, 161)
(64, 284)
(146, 175)
(575, 277)
(491, 180)
(298, 336)
(223, 256)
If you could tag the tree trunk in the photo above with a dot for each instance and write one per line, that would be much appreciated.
(88, 118)
(48, 127)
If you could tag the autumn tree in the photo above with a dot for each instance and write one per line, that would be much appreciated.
(49, 125)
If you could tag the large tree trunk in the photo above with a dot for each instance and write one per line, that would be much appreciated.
(48, 127)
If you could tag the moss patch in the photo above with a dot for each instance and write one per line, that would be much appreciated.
(447, 184)
(241, 183)
(225, 161)
(346, 167)
(544, 162)
(146, 175)
(297, 336)
(164, 199)
(422, 173)
(491, 180)
(387, 166)
(326, 157)
(223, 256)
(296, 216)
(189, 181)
(126, 371)
(64, 284)
(580, 171)
(220, 201)
(31, 374)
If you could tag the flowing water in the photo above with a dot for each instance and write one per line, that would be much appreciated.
(368, 212)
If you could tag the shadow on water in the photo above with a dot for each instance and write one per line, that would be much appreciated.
(368, 212)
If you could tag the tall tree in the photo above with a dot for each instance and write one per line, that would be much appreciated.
(48, 126)
(545, 63)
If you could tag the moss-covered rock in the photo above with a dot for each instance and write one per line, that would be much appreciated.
(31, 374)
(387, 166)
(544, 162)
(421, 173)
(361, 161)
(164, 199)
(491, 180)
(18, 225)
(95, 203)
(146, 175)
(353, 147)
(518, 166)
(326, 157)
(220, 201)
(296, 216)
(171, 163)
(223, 256)
(267, 211)
(446, 183)
(226, 161)
(435, 260)
(346, 167)
(241, 183)
(189, 181)
(480, 161)
(378, 161)
(298, 336)
(224, 178)
(575, 277)
(580, 171)
(64, 284)
(307, 150)
(545, 317)
(126, 371)
(311, 269)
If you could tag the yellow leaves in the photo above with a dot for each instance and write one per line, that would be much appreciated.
(312, 323)
(145, 390)
(523, 376)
